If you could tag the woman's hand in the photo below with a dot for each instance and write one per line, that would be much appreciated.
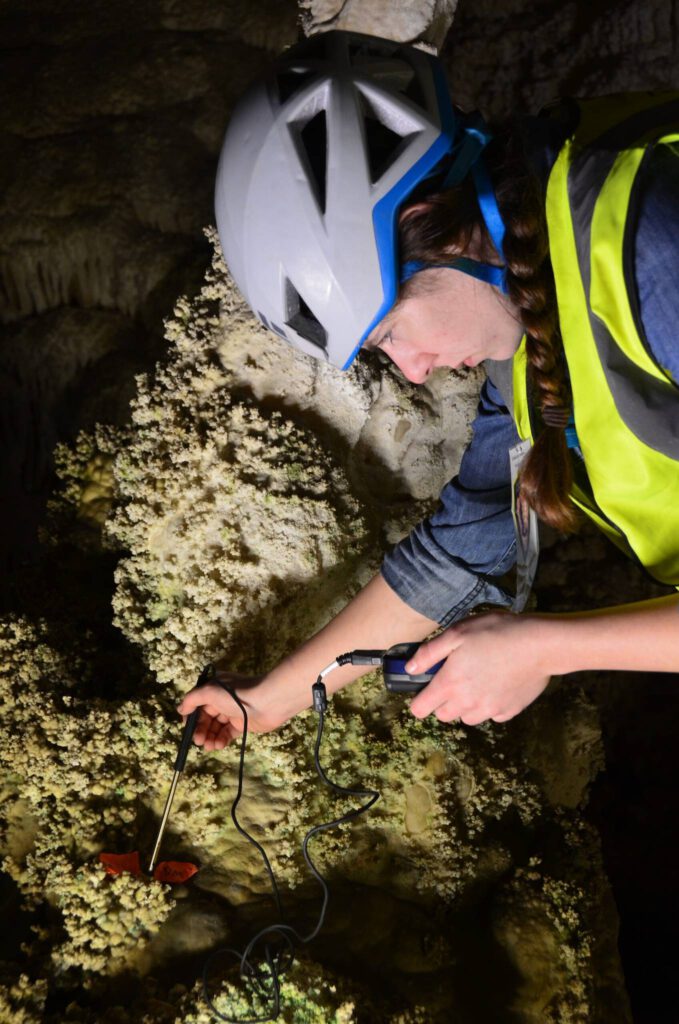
(221, 720)
(496, 665)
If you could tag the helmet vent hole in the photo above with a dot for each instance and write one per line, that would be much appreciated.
(392, 72)
(384, 144)
(314, 144)
(290, 81)
(414, 92)
(302, 319)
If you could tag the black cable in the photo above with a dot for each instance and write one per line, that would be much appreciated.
(345, 791)
(246, 968)
(239, 793)
(282, 930)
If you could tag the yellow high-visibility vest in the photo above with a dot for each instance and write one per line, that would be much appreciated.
(626, 407)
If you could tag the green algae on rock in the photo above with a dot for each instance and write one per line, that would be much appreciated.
(308, 995)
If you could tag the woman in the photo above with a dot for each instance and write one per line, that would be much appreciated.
(358, 209)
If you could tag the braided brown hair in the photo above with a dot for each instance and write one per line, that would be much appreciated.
(443, 224)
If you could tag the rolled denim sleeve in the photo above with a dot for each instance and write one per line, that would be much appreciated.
(447, 564)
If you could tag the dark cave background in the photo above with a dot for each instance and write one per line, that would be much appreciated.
(110, 127)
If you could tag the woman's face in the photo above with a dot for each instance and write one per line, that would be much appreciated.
(453, 320)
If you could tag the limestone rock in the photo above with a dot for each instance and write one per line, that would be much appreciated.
(415, 21)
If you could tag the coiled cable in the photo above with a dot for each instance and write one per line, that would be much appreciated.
(278, 962)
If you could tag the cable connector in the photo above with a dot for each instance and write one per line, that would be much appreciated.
(361, 658)
(320, 697)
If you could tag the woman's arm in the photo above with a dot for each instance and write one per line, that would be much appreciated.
(446, 566)
(376, 618)
(642, 637)
(497, 664)
(453, 560)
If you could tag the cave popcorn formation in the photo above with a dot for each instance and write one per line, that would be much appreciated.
(239, 528)
(243, 511)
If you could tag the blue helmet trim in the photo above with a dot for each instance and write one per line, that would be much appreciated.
(385, 212)
(475, 136)
(489, 208)
(474, 141)
(473, 268)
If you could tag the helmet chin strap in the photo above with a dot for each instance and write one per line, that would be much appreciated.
(466, 160)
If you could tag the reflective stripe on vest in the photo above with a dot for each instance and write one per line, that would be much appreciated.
(626, 409)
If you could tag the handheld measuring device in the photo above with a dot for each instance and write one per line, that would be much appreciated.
(396, 679)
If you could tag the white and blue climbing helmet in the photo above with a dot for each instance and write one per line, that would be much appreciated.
(317, 161)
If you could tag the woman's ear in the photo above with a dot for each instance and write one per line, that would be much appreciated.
(415, 210)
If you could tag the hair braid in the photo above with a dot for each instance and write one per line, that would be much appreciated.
(546, 476)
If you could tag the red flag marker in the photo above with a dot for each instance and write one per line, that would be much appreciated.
(172, 872)
(119, 863)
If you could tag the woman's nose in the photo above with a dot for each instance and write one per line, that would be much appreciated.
(415, 366)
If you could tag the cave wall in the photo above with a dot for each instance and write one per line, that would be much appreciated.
(111, 127)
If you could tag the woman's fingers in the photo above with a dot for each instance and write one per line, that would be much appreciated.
(450, 711)
(434, 650)
(215, 728)
(447, 712)
(494, 667)
(214, 701)
(437, 694)
(191, 700)
(218, 735)
(214, 725)
(221, 719)
(200, 733)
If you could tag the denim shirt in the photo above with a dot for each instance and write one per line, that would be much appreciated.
(451, 561)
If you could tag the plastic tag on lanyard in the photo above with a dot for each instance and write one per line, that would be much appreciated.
(526, 530)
